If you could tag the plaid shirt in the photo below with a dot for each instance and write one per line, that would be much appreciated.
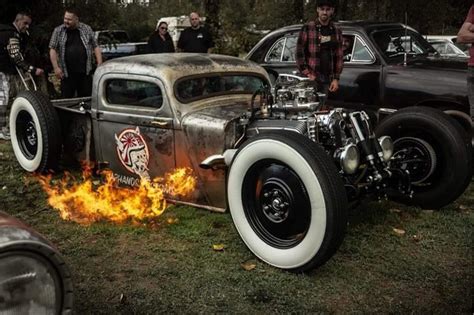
(308, 48)
(58, 43)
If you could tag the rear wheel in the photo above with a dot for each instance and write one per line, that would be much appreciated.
(35, 132)
(432, 147)
(287, 200)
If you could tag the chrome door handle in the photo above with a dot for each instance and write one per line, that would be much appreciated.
(159, 123)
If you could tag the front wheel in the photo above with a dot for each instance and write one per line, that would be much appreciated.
(287, 200)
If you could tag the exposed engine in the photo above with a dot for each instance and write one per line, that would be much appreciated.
(347, 136)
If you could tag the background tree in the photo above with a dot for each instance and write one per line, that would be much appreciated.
(234, 23)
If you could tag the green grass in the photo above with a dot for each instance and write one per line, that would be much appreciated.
(173, 268)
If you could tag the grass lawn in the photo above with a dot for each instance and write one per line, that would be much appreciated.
(172, 267)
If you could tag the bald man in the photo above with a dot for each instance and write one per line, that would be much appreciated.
(195, 38)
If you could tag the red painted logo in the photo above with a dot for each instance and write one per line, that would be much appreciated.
(132, 151)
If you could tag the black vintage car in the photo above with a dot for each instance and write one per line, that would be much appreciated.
(405, 71)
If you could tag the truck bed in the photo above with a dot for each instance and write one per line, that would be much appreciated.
(79, 105)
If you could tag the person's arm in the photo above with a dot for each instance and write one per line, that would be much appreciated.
(300, 55)
(338, 63)
(98, 55)
(95, 45)
(466, 33)
(16, 56)
(53, 56)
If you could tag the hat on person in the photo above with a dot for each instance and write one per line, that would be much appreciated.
(329, 3)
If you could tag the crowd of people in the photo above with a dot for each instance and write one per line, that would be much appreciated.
(320, 52)
(73, 53)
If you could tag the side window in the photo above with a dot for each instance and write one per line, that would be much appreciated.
(290, 49)
(361, 52)
(275, 52)
(449, 49)
(133, 93)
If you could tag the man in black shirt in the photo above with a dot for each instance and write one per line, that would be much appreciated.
(195, 38)
(12, 44)
(71, 47)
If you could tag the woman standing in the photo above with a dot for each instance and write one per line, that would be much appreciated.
(160, 41)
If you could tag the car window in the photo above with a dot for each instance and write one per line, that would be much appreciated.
(449, 49)
(440, 47)
(289, 50)
(194, 88)
(360, 52)
(275, 52)
(398, 41)
(133, 93)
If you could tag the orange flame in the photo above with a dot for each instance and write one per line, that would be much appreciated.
(91, 201)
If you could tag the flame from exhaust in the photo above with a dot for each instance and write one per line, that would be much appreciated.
(86, 202)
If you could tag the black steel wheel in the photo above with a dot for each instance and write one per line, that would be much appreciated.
(35, 132)
(287, 200)
(432, 147)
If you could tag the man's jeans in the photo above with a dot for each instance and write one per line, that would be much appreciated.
(470, 88)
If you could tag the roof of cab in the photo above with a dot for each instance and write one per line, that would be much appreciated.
(176, 65)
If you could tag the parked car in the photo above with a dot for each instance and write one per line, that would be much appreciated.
(450, 38)
(116, 43)
(34, 279)
(377, 80)
(446, 48)
(286, 169)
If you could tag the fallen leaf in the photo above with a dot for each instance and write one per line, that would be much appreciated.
(399, 232)
(122, 298)
(172, 220)
(248, 265)
(395, 210)
(218, 247)
(4, 187)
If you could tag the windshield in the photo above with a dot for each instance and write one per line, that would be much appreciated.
(194, 88)
(395, 42)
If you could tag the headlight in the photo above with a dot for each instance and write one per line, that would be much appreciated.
(386, 144)
(33, 277)
(349, 159)
(28, 285)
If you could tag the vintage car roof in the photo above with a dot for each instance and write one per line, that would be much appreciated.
(367, 25)
(173, 66)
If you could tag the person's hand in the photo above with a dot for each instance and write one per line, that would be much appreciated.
(334, 86)
(311, 77)
(39, 71)
(59, 73)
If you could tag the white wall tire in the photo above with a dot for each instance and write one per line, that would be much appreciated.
(302, 235)
(29, 158)
(35, 132)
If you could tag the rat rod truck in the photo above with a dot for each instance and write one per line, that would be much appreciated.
(286, 168)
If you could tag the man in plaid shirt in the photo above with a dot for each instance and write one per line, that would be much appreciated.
(319, 50)
(71, 47)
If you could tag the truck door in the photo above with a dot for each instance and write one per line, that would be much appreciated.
(135, 125)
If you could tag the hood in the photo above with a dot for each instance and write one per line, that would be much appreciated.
(213, 129)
